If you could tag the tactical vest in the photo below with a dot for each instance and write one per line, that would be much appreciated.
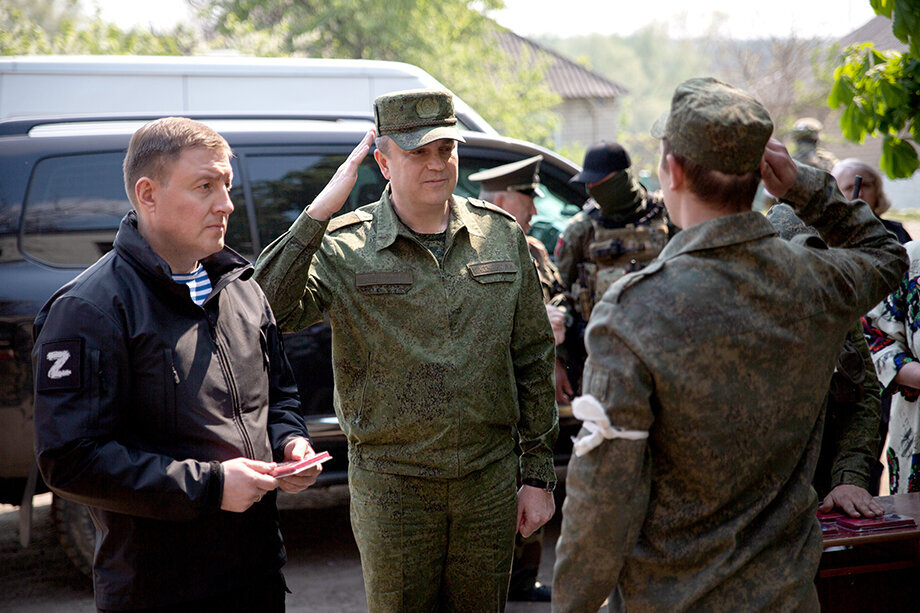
(614, 252)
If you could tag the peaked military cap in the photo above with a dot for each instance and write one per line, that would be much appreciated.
(416, 117)
(521, 176)
(600, 160)
(716, 125)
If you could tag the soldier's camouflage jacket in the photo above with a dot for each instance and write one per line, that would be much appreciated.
(436, 367)
(722, 349)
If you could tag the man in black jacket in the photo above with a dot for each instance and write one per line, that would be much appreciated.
(163, 396)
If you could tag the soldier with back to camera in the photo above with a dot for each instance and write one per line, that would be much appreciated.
(705, 387)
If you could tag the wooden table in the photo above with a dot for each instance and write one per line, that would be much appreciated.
(873, 572)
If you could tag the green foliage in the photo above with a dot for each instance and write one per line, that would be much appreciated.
(879, 91)
(49, 26)
(450, 39)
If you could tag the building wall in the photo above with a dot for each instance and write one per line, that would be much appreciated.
(585, 121)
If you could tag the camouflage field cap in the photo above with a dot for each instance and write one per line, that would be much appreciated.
(716, 125)
(807, 128)
(521, 176)
(416, 117)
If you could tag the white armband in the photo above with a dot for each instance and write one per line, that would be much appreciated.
(589, 410)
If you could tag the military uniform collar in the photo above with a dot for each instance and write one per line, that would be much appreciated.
(388, 225)
(720, 232)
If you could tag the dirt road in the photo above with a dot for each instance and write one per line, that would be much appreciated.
(323, 570)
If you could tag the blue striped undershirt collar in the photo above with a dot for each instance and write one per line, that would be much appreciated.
(198, 282)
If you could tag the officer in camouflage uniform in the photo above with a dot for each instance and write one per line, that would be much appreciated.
(707, 373)
(513, 187)
(443, 361)
(620, 229)
(807, 134)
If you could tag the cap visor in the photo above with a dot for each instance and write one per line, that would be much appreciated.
(659, 127)
(418, 138)
(588, 176)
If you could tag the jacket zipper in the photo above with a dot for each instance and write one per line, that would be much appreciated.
(234, 394)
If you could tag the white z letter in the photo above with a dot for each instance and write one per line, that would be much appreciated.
(57, 369)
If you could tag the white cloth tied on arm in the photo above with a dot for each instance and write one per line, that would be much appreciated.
(588, 409)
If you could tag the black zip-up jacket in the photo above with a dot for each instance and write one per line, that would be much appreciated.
(140, 393)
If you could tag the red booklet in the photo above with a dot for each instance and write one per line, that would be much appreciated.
(830, 517)
(286, 469)
(888, 521)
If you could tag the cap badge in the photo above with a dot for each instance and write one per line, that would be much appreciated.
(427, 107)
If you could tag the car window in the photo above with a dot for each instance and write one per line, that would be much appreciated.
(74, 204)
(282, 185)
(72, 208)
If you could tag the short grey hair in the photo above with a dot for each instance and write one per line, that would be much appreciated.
(863, 169)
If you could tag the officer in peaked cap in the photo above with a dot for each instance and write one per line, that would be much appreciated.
(522, 176)
(443, 362)
(513, 187)
(704, 389)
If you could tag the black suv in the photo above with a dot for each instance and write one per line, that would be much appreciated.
(62, 197)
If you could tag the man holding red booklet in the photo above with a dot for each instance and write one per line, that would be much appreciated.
(163, 397)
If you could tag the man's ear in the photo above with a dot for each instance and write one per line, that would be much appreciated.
(383, 163)
(146, 193)
(675, 173)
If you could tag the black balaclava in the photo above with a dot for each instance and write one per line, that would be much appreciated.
(621, 197)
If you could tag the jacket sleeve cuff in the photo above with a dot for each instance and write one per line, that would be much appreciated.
(808, 184)
(308, 231)
(541, 469)
(215, 492)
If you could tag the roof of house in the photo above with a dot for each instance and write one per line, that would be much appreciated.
(878, 31)
(566, 78)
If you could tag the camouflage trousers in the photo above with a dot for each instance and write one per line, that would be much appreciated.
(435, 544)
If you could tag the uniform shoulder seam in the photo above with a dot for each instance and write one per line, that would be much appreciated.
(482, 204)
(348, 219)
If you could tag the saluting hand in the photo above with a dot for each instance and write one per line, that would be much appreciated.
(777, 169)
(336, 192)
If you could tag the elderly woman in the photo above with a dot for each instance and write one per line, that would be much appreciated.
(872, 191)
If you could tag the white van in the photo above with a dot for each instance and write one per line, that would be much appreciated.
(59, 85)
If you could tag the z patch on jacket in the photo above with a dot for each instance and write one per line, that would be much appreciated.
(60, 365)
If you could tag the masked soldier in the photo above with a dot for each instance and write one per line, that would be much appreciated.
(620, 230)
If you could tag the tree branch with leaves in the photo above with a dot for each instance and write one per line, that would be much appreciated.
(879, 90)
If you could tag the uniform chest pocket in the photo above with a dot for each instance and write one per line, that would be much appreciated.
(499, 271)
(383, 282)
